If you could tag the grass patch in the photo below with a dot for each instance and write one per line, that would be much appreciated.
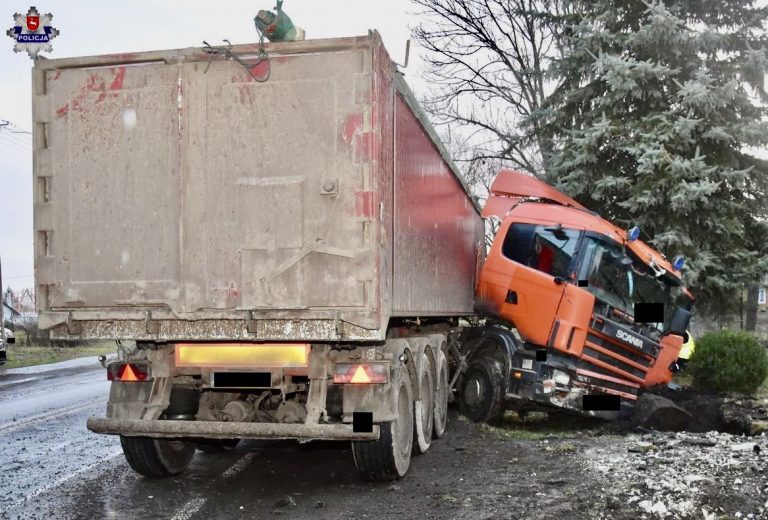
(683, 379)
(536, 426)
(25, 355)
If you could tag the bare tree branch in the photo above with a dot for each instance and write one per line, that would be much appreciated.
(486, 63)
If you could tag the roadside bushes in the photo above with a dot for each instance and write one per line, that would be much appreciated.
(728, 361)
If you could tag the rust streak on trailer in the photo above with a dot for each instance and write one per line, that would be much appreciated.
(94, 83)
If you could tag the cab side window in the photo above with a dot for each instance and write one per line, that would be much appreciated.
(517, 243)
(543, 248)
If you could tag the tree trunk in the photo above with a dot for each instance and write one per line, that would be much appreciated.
(750, 321)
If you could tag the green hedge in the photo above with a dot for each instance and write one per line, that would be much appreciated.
(728, 361)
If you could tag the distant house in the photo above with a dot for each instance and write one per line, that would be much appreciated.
(22, 305)
(762, 311)
(26, 318)
(10, 314)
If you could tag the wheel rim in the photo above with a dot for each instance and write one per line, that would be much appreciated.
(474, 390)
(176, 446)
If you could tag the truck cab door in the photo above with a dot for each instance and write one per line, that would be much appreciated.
(526, 275)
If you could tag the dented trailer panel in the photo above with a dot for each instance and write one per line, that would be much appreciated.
(177, 197)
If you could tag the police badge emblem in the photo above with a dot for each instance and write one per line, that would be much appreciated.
(33, 33)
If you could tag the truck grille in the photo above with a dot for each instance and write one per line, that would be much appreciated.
(619, 350)
(622, 359)
(622, 368)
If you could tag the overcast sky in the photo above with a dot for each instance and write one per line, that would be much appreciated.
(89, 28)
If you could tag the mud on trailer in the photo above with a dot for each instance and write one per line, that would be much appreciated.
(295, 256)
(286, 241)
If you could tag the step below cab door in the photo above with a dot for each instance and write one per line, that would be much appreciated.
(526, 274)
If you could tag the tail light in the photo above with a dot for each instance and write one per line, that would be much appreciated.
(361, 373)
(128, 372)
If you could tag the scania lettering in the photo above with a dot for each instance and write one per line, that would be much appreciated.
(629, 338)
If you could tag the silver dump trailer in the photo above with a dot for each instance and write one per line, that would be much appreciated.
(284, 238)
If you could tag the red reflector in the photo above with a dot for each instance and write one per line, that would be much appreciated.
(357, 373)
(128, 372)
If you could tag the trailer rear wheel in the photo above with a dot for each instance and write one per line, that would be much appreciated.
(441, 397)
(389, 457)
(424, 409)
(156, 458)
(482, 391)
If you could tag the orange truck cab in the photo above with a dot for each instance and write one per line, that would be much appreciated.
(583, 314)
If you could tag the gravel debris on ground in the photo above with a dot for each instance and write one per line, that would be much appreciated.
(682, 475)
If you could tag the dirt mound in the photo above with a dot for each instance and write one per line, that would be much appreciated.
(716, 413)
(656, 412)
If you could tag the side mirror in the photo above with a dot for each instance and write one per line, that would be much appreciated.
(679, 322)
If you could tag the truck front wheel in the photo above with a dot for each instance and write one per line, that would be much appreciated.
(389, 457)
(156, 458)
(482, 391)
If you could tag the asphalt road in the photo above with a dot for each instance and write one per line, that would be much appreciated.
(44, 442)
(51, 467)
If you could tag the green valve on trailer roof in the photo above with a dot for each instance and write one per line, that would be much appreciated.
(277, 27)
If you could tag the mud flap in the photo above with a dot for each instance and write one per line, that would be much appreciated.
(127, 400)
(139, 400)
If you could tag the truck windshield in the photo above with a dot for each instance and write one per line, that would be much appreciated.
(621, 281)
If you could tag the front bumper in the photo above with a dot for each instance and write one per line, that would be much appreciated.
(536, 389)
(228, 430)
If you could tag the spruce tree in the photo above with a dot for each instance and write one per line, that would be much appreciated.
(660, 121)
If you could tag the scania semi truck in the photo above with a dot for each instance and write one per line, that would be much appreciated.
(283, 248)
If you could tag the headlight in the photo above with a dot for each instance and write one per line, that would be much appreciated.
(561, 378)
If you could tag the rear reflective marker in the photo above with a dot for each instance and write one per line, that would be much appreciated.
(364, 373)
(360, 376)
(128, 374)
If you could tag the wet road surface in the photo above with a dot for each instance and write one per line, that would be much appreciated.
(44, 442)
(52, 467)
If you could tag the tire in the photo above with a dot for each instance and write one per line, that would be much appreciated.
(424, 409)
(389, 457)
(217, 445)
(482, 390)
(156, 458)
(441, 397)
